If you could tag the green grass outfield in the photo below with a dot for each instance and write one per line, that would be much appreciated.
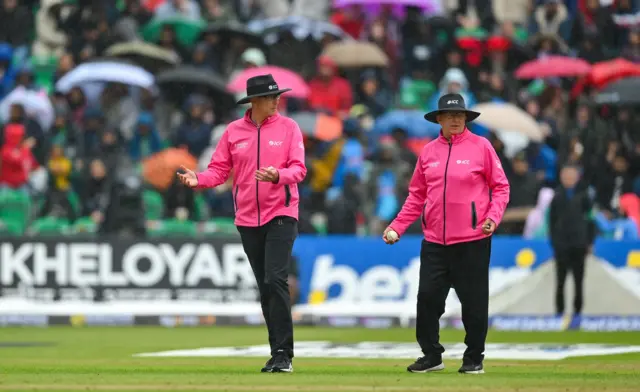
(95, 358)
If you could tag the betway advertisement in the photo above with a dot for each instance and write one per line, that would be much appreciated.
(522, 279)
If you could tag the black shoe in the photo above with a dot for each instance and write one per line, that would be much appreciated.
(471, 368)
(281, 363)
(268, 366)
(426, 364)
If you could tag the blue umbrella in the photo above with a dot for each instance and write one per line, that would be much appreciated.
(412, 121)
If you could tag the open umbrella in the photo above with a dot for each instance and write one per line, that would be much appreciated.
(606, 72)
(115, 72)
(623, 92)
(356, 54)
(187, 30)
(151, 57)
(553, 66)
(318, 125)
(299, 26)
(412, 121)
(229, 30)
(508, 117)
(160, 169)
(36, 104)
(182, 81)
(284, 77)
(373, 6)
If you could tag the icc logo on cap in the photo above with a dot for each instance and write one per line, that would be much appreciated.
(455, 101)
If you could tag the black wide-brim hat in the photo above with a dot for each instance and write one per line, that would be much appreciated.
(451, 103)
(261, 86)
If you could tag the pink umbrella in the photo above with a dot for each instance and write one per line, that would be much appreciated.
(553, 66)
(284, 77)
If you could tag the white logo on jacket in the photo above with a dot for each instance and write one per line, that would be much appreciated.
(462, 162)
(434, 164)
(241, 145)
(275, 143)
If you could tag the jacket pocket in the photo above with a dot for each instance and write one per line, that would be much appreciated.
(287, 196)
(474, 215)
(424, 218)
(235, 198)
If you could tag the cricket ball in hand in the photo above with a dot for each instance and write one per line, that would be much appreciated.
(392, 235)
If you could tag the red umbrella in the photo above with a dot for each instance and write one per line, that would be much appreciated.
(553, 66)
(605, 72)
(284, 77)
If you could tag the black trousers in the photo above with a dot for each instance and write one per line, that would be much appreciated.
(465, 267)
(570, 260)
(268, 248)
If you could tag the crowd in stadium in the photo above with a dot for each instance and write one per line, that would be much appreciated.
(101, 102)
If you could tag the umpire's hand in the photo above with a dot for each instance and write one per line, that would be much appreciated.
(488, 227)
(388, 240)
(188, 177)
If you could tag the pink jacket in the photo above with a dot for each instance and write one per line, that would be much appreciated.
(451, 188)
(246, 147)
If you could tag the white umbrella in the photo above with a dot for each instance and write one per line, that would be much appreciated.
(514, 142)
(105, 72)
(508, 117)
(36, 105)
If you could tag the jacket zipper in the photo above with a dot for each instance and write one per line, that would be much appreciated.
(235, 197)
(258, 182)
(444, 198)
(287, 196)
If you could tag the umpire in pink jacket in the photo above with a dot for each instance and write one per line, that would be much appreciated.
(460, 191)
(266, 152)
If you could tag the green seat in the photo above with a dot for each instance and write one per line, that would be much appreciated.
(15, 208)
(9, 228)
(153, 205)
(174, 228)
(50, 226)
(220, 225)
(201, 210)
(84, 225)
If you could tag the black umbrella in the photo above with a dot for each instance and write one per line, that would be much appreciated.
(151, 57)
(180, 82)
(623, 92)
(229, 30)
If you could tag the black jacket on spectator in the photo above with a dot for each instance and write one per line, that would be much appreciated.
(569, 222)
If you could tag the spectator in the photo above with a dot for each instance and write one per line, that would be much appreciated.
(377, 100)
(329, 92)
(16, 159)
(57, 199)
(551, 18)
(571, 235)
(524, 192)
(96, 191)
(146, 140)
(613, 181)
(194, 133)
(631, 50)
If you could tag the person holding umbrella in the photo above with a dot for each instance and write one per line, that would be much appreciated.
(266, 152)
(460, 189)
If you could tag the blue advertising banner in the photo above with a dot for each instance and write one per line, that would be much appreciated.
(354, 269)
